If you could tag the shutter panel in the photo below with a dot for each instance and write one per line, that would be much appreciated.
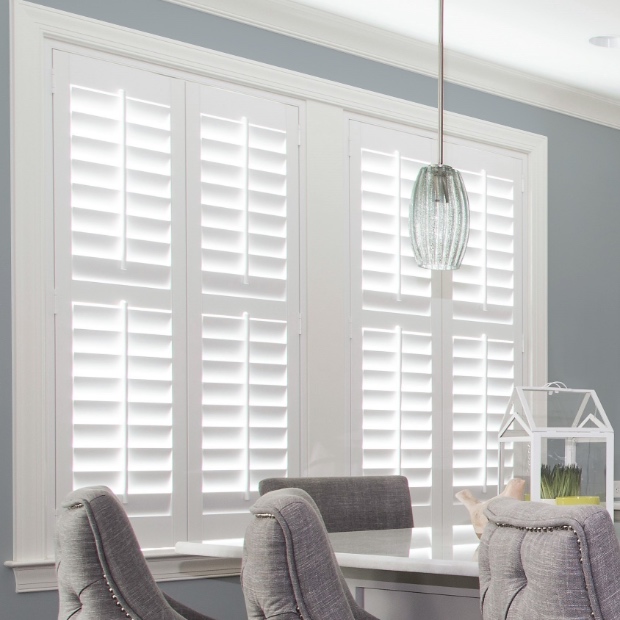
(392, 315)
(484, 326)
(116, 393)
(245, 308)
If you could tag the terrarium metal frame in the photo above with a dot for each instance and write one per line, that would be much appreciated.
(599, 431)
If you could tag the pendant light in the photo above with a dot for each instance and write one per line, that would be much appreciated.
(439, 207)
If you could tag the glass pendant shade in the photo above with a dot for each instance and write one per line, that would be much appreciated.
(439, 218)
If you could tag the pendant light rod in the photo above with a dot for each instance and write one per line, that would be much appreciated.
(439, 206)
(440, 85)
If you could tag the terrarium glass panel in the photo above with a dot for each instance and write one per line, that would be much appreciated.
(516, 461)
(561, 408)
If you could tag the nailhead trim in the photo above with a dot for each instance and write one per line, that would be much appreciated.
(115, 598)
(554, 529)
(110, 590)
(266, 515)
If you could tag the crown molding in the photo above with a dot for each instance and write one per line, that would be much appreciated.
(347, 35)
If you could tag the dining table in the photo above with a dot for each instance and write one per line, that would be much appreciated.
(402, 574)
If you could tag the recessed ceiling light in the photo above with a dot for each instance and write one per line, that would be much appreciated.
(606, 41)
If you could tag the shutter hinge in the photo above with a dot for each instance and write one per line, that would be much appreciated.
(54, 302)
(53, 81)
(300, 322)
(522, 343)
(298, 135)
(350, 328)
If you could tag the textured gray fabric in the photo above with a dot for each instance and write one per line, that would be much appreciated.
(289, 568)
(102, 573)
(352, 503)
(359, 613)
(545, 562)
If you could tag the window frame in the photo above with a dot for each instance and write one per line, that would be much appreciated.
(35, 30)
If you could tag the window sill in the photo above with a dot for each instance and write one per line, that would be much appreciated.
(36, 576)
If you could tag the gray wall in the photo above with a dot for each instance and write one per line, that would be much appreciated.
(584, 228)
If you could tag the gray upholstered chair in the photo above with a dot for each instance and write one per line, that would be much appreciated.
(102, 574)
(353, 503)
(544, 562)
(289, 570)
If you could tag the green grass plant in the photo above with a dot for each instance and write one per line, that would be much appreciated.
(560, 481)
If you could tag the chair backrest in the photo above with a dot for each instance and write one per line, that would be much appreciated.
(545, 562)
(102, 573)
(289, 569)
(353, 503)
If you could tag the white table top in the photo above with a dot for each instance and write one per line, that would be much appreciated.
(405, 550)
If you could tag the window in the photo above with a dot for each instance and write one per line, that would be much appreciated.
(434, 355)
(176, 280)
(181, 327)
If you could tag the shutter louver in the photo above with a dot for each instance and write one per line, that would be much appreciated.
(120, 181)
(244, 209)
(397, 407)
(483, 289)
(483, 380)
(244, 403)
(116, 285)
(250, 301)
(389, 271)
(123, 403)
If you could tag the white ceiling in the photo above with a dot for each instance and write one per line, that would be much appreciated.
(545, 38)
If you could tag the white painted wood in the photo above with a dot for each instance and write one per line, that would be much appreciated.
(328, 438)
(119, 162)
(38, 576)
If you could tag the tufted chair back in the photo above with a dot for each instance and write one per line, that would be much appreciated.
(353, 503)
(102, 573)
(289, 569)
(545, 562)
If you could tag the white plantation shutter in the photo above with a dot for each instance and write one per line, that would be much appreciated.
(177, 340)
(394, 388)
(119, 331)
(244, 294)
(485, 324)
(433, 355)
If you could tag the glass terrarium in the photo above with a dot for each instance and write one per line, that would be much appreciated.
(560, 441)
